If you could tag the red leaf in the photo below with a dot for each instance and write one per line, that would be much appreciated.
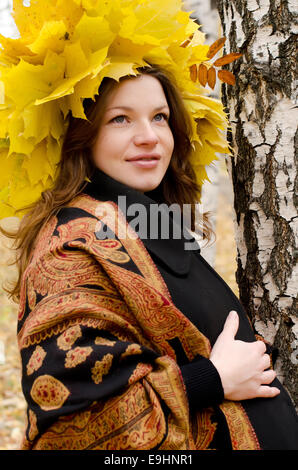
(227, 59)
(211, 77)
(203, 74)
(227, 77)
(215, 47)
(194, 73)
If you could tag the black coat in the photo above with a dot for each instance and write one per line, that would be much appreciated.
(204, 297)
(115, 337)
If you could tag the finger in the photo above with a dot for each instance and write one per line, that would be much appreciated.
(267, 392)
(265, 361)
(231, 324)
(261, 346)
(268, 377)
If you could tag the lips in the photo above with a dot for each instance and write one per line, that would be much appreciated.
(144, 157)
(145, 161)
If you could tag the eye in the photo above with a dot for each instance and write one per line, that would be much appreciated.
(119, 119)
(161, 117)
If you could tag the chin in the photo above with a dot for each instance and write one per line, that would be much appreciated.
(146, 186)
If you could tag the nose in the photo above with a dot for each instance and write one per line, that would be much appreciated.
(145, 134)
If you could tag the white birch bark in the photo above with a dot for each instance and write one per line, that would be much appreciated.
(264, 115)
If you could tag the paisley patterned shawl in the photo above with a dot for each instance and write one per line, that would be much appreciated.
(96, 322)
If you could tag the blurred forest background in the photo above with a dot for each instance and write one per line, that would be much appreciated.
(217, 198)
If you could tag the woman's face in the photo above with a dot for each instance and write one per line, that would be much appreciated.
(135, 126)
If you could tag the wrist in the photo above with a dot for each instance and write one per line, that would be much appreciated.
(203, 383)
(225, 382)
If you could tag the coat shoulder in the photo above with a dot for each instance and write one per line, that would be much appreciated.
(82, 213)
(84, 223)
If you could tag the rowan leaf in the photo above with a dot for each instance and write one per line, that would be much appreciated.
(211, 77)
(227, 59)
(194, 72)
(203, 74)
(186, 42)
(215, 47)
(227, 77)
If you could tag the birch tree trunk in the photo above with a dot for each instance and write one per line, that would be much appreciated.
(263, 118)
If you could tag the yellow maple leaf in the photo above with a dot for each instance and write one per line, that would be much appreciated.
(37, 165)
(94, 33)
(37, 81)
(41, 121)
(150, 21)
(214, 137)
(119, 68)
(8, 165)
(51, 36)
(30, 20)
(180, 55)
(23, 193)
(14, 48)
(75, 71)
(18, 144)
(4, 121)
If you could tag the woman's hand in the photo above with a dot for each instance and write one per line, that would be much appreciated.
(242, 365)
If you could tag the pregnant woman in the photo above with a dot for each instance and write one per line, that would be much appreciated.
(128, 338)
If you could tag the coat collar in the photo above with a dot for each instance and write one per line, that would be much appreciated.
(171, 251)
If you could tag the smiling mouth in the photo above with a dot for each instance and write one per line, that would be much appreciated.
(145, 163)
(144, 158)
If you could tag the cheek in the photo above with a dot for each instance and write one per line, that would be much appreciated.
(170, 142)
(106, 145)
(114, 142)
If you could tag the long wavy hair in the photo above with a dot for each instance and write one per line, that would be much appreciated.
(76, 167)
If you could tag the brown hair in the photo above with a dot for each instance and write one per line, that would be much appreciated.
(76, 167)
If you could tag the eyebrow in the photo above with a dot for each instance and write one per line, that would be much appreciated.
(128, 108)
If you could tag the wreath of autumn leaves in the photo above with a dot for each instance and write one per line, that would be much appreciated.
(64, 51)
(206, 74)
